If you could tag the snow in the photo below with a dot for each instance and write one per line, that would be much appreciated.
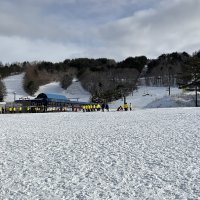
(178, 100)
(143, 154)
(14, 84)
(143, 96)
(74, 91)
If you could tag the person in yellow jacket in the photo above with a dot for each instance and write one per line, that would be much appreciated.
(125, 106)
(28, 109)
(83, 108)
(20, 109)
(14, 110)
(98, 107)
(10, 109)
(90, 108)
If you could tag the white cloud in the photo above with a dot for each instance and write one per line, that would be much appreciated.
(22, 49)
(169, 27)
(90, 28)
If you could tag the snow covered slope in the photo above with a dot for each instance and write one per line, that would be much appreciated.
(14, 84)
(75, 90)
(145, 95)
(143, 154)
(178, 100)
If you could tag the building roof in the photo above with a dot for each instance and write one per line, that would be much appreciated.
(52, 97)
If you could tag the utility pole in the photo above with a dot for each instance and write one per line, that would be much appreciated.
(169, 80)
(124, 99)
(196, 104)
(14, 96)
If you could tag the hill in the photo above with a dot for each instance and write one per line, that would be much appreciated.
(105, 79)
(143, 97)
(14, 84)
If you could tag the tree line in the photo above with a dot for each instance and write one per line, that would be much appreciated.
(105, 78)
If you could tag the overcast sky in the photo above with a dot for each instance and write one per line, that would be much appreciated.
(54, 30)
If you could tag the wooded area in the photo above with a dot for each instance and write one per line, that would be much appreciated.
(105, 78)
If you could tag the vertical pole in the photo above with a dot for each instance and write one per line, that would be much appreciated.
(124, 99)
(169, 80)
(196, 104)
(14, 96)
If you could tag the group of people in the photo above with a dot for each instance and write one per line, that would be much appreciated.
(95, 107)
(85, 108)
(125, 107)
(11, 110)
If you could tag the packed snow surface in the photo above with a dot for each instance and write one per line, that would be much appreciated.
(74, 91)
(142, 154)
(14, 84)
(144, 95)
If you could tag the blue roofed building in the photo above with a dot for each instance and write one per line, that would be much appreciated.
(52, 97)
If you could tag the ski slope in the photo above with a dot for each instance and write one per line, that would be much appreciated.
(14, 87)
(143, 154)
(74, 91)
(15, 84)
(143, 96)
(140, 98)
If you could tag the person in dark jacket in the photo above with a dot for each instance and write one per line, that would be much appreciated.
(120, 108)
(103, 107)
(107, 107)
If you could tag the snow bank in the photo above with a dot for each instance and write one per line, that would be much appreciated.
(144, 154)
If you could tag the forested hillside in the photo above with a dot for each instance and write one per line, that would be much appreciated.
(8, 70)
(167, 67)
(105, 78)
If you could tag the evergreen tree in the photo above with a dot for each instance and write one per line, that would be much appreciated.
(191, 74)
(2, 91)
